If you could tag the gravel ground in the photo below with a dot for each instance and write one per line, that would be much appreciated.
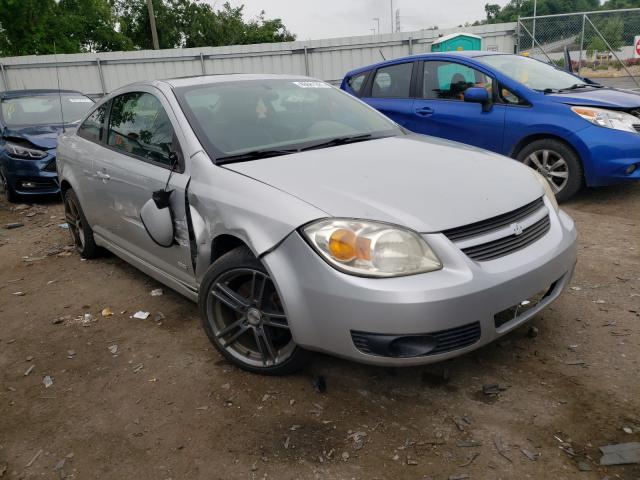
(151, 399)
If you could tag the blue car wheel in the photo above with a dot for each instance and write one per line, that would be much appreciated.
(556, 162)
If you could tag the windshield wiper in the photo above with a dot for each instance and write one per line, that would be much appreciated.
(253, 155)
(340, 141)
(575, 86)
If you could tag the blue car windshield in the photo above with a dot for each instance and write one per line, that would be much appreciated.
(44, 109)
(532, 73)
(232, 118)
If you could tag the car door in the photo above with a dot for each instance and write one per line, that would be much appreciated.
(389, 91)
(442, 112)
(80, 159)
(141, 138)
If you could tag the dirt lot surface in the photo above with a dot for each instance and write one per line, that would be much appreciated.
(165, 405)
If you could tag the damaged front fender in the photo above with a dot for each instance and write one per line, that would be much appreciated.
(224, 202)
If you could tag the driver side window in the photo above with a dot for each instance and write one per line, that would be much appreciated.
(140, 127)
(448, 80)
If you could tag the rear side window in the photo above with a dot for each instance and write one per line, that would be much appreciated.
(393, 81)
(93, 126)
(357, 82)
(139, 126)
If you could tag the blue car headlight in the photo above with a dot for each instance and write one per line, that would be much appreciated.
(608, 118)
(23, 153)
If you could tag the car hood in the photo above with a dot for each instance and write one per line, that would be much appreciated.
(42, 136)
(601, 97)
(423, 183)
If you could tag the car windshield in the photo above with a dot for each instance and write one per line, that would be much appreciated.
(250, 117)
(532, 73)
(44, 109)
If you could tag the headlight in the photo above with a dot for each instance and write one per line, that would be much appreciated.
(22, 152)
(547, 189)
(371, 249)
(608, 118)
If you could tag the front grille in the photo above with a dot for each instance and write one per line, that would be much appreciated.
(507, 245)
(443, 341)
(485, 226)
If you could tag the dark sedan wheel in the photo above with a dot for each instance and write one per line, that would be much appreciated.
(79, 227)
(556, 162)
(244, 318)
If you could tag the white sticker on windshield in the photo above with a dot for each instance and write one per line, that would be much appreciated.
(312, 84)
(80, 100)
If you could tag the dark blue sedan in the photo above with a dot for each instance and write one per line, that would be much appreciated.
(573, 131)
(30, 121)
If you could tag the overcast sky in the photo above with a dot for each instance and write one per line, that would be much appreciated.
(311, 19)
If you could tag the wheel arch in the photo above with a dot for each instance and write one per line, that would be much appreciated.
(224, 243)
(64, 186)
(543, 136)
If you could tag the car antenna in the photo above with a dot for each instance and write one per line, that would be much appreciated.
(55, 56)
(380, 51)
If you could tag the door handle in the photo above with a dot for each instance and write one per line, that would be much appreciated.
(424, 111)
(102, 175)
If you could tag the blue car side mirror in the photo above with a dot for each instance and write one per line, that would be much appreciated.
(476, 95)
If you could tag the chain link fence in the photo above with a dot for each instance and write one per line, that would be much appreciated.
(598, 45)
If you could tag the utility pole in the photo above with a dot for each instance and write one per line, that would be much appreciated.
(398, 20)
(152, 22)
(378, 21)
(391, 16)
(533, 30)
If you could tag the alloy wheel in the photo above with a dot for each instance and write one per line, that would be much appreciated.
(552, 166)
(247, 318)
(75, 223)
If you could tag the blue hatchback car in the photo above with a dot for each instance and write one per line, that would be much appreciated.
(30, 121)
(572, 130)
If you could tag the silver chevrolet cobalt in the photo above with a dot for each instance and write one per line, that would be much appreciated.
(301, 219)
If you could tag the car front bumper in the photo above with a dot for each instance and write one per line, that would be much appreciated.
(327, 310)
(31, 177)
(609, 156)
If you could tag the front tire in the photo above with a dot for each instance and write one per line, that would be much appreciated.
(558, 163)
(244, 318)
(79, 227)
(8, 192)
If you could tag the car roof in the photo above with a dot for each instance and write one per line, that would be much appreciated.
(231, 77)
(418, 56)
(35, 92)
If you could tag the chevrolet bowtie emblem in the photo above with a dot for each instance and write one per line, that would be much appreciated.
(516, 228)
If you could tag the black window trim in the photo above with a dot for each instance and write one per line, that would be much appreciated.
(374, 72)
(176, 140)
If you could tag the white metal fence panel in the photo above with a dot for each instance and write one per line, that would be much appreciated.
(329, 59)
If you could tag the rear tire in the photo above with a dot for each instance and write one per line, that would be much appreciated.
(243, 317)
(79, 227)
(558, 163)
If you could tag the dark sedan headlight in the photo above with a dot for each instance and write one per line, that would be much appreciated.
(24, 153)
(371, 249)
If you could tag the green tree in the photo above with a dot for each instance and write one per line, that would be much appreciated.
(612, 29)
(492, 10)
(26, 27)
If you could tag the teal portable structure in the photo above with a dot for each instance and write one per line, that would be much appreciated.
(457, 42)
